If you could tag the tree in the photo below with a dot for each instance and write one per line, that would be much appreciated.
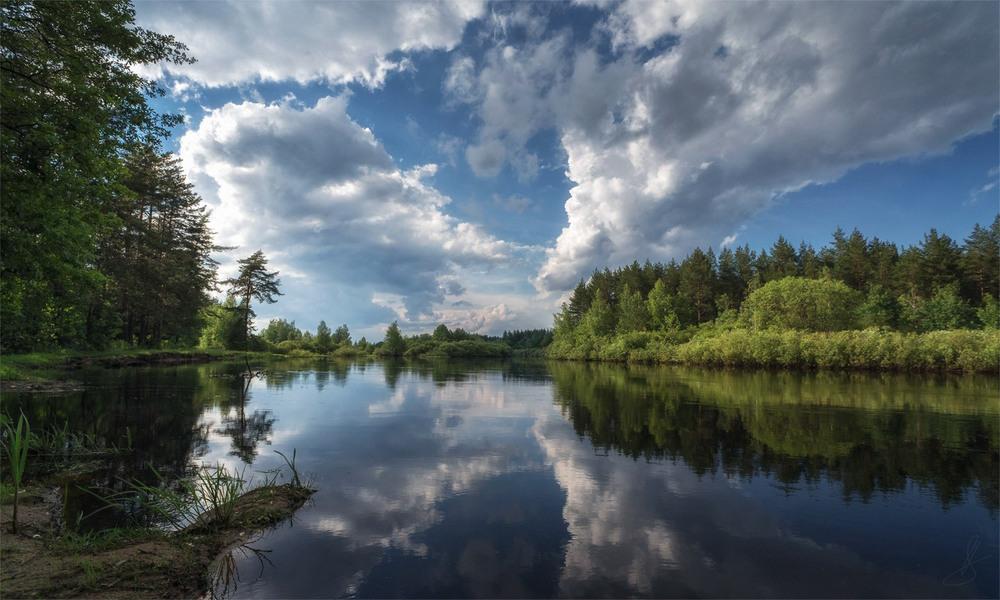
(981, 260)
(784, 261)
(223, 326)
(880, 308)
(253, 283)
(280, 330)
(800, 303)
(73, 104)
(632, 311)
(600, 318)
(940, 264)
(441, 333)
(393, 344)
(158, 259)
(852, 263)
(698, 282)
(324, 338)
(342, 336)
(660, 307)
(945, 310)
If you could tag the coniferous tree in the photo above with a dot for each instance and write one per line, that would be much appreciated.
(342, 336)
(939, 266)
(157, 260)
(784, 261)
(981, 261)
(698, 282)
(73, 104)
(324, 338)
(393, 345)
(253, 282)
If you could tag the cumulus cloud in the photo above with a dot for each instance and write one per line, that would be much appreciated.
(324, 200)
(338, 42)
(703, 112)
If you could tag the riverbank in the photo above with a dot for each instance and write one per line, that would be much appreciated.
(46, 560)
(968, 351)
(45, 371)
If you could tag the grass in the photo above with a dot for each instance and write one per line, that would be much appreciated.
(210, 497)
(213, 498)
(15, 442)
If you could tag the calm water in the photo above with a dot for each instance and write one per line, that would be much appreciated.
(534, 480)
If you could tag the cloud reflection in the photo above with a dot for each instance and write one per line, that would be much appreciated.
(478, 486)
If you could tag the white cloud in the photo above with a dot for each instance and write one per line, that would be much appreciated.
(706, 111)
(339, 42)
(321, 197)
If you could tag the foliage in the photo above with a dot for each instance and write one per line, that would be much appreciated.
(945, 310)
(15, 442)
(393, 344)
(768, 308)
(253, 282)
(800, 303)
(157, 260)
(280, 330)
(989, 314)
(223, 325)
(324, 338)
(74, 108)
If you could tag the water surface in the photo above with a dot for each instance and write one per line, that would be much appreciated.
(513, 479)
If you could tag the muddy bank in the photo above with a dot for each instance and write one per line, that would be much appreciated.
(43, 560)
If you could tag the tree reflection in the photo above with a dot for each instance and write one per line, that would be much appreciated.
(245, 431)
(748, 425)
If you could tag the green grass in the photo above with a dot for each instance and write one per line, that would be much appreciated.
(212, 499)
(969, 351)
(15, 442)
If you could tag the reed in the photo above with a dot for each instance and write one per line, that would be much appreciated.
(16, 440)
(207, 500)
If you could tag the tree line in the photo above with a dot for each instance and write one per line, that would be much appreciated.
(281, 336)
(103, 241)
(101, 237)
(854, 283)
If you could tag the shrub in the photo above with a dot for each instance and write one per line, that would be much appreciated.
(804, 304)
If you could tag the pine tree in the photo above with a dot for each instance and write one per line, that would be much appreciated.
(253, 282)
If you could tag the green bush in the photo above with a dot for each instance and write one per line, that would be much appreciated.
(804, 304)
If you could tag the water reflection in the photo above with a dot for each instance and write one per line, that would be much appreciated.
(246, 432)
(872, 434)
(446, 479)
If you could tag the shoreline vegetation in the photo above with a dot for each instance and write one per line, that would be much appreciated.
(168, 535)
(107, 247)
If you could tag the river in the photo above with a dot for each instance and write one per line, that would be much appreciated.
(528, 479)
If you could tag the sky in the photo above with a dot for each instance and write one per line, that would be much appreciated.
(468, 163)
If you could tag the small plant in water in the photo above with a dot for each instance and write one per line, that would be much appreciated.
(213, 498)
(16, 443)
(209, 499)
(296, 482)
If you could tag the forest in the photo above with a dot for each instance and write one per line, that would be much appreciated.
(102, 239)
(855, 303)
(105, 245)
(103, 242)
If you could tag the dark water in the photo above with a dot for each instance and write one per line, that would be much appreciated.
(574, 480)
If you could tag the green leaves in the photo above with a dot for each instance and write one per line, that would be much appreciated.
(73, 107)
(253, 282)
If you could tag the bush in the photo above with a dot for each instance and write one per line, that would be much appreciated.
(804, 304)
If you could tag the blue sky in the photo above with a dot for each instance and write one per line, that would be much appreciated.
(468, 163)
